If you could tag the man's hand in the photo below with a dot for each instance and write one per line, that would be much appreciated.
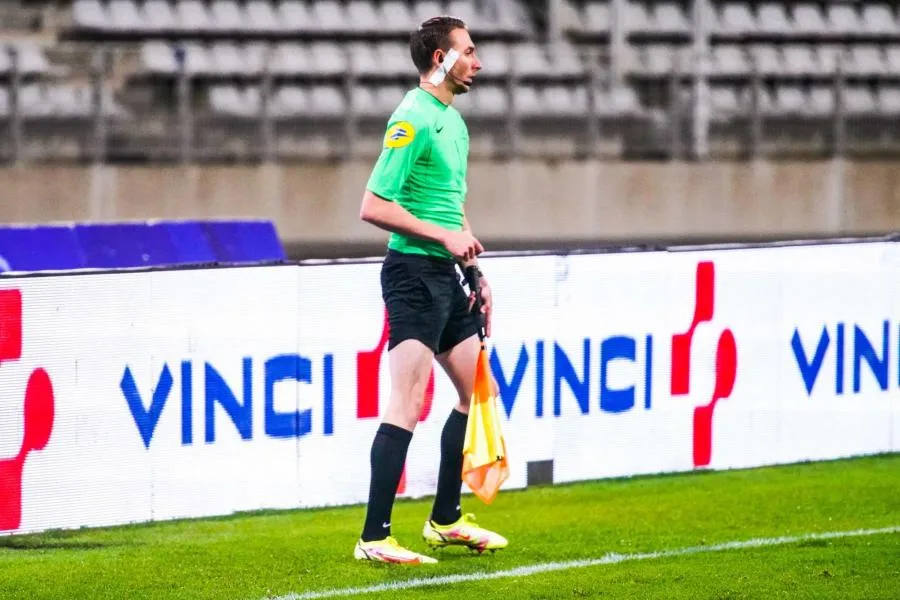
(487, 303)
(462, 245)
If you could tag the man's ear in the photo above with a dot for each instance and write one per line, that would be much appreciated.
(440, 56)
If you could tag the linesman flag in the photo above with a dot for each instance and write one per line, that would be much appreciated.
(485, 464)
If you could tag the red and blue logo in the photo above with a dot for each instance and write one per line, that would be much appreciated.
(726, 363)
(38, 412)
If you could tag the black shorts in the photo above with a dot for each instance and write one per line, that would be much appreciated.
(425, 301)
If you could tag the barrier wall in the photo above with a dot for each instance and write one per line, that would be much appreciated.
(508, 201)
(184, 393)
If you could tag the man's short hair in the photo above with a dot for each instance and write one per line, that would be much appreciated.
(432, 34)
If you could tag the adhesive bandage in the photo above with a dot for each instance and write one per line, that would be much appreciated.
(444, 68)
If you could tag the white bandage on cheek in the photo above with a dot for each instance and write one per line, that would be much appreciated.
(443, 68)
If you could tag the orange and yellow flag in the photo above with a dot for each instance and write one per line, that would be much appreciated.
(485, 465)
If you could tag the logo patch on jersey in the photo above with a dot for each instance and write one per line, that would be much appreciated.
(399, 134)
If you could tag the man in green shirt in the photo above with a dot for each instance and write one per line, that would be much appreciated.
(417, 191)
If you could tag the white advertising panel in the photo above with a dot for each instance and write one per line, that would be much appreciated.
(138, 396)
(154, 399)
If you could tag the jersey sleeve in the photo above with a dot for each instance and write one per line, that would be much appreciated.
(404, 143)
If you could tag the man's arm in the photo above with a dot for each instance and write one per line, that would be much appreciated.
(392, 217)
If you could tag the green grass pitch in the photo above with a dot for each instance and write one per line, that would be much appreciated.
(284, 553)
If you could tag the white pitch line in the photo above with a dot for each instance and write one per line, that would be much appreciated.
(608, 559)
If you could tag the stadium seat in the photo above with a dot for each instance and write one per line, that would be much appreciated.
(33, 102)
(843, 19)
(124, 16)
(425, 9)
(395, 17)
(637, 18)
(790, 99)
(530, 60)
(495, 58)
(159, 16)
(830, 57)
(29, 58)
(768, 107)
(362, 58)
(799, 60)
(527, 101)
(228, 100)
(596, 17)
(564, 60)
(730, 61)
(329, 16)
(157, 57)
(193, 16)
(878, 19)
(387, 97)
(766, 59)
(858, 100)
(394, 59)
(327, 58)
(668, 18)
(295, 16)
(724, 103)
(261, 17)
(808, 20)
(363, 101)
(197, 59)
(290, 59)
(562, 100)
(227, 59)
(889, 99)
(663, 60)
(773, 19)
(621, 101)
(226, 16)
(289, 101)
(326, 100)
(892, 59)
(865, 60)
(736, 19)
(89, 14)
(469, 12)
(821, 100)
(363, 17)
(490, 101)
(71, 101)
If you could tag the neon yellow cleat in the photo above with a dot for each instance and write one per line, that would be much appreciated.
(389, 550)
(463, 533)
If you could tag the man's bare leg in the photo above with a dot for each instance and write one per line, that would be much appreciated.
(447, 524)
(410, 366)
(459, 364)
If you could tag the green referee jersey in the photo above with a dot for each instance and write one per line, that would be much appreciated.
(422, 167)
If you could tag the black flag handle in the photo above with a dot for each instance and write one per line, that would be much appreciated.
(473, 280)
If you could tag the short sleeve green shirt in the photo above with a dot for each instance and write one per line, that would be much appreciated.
(422, 167)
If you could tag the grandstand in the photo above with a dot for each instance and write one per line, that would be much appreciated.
(189, 80)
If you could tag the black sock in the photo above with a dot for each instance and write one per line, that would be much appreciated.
(446, 507)
(387, 459)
